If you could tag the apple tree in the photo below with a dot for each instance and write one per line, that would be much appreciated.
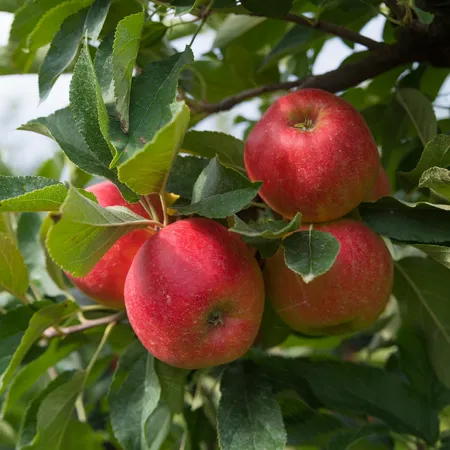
(167, 286)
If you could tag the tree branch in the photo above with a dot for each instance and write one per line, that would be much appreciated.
(52, 332)
(335, 30)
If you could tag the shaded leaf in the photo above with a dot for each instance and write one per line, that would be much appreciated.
(420, 111)
(268, 7)
(438, 252)
(125, 50)
(96, 17)
(310, 253)
(210, 144)
(423, 223)
(103, 68)
(147, 170)
(249, 417)
(86, 231)
(346, 439)
(220, 192)
(13, 271)
(133, 397)
(420, 285)
(41, 320)
(233, 27)
(270, 229)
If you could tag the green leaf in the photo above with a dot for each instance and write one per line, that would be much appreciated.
(183, 174)
(12, 328)
(41, 320)
(89, 110)
(30, 194)
(424, 16)
(96, 18)
(13, 271)
(103, 68)
(80, 435)
(348, 438)
(210, 144)
(51, 21)
(233, 27)
(357, 389)
(53, 167)
(220, 192)
(125, 50)
(249, 417)
(268, 7)
(55, 413)
(421, 223)
(172, 381)
(438, 180)
(266, 247)
(420, 111)
(310, 253)
(133, 397)
(61, 53)
(435, 154)
(291, 43)
(86, 231)
(420, 285)
(147, 169)
(270, 229)
(24, 380)
(438, 252)
(157, 427)
(61, 127)
(185, 6)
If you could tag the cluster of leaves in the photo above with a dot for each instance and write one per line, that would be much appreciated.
(66, 381)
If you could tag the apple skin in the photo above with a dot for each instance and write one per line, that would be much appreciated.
(105, 282)
(324, 170)
(347, 298)
(381, 188)
(189, 272)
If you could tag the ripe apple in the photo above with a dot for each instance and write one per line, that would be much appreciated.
(314, 153)
(347, 298)
(105, 282)
(195, 295)
(381, 188)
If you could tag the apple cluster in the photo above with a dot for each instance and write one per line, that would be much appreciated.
(194, 292)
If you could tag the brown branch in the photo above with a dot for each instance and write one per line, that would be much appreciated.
(52, 332)
(342, 78)
(336, 30)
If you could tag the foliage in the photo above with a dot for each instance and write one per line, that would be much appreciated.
(72, 374)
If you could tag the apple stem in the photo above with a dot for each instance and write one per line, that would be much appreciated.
(164, 209)
(307, 125)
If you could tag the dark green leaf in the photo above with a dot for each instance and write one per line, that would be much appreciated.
(103, 68)
(435, 154)
(249, 417)
(346, 439)
(61, 53)
(172, 381)
(209, 144)
(438, 252)
(133, 397)
(310, 253)
(183, 175)
(41, 320)
(147, 169)
(80, 435)
(424, 16)
(13, 271)
(125, 50)
(30, 194)
(90, 229)
(96, 17)
(268, 7)
(420, 111)
(420, 285)
(270, 229)
(220, 192)
(421, 223)
(266, 247)
(233, 27)
(89, 110)
(157, 426)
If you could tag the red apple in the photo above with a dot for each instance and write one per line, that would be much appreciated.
(105, 282)
(349, 297)
(195, 295)
(314, 153)
(381, 188)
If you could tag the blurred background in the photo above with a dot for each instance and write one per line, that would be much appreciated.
(24, 152)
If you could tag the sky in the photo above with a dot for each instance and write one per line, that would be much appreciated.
(25, 151)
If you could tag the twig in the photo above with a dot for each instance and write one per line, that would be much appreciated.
(51, 332)
(204, 15)
(336, 30)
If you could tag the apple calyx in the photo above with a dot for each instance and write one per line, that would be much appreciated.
(215, 318)
(307, 125)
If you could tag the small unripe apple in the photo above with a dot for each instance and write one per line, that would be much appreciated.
(195, 295)
(347, 298)
(105, 282)
(314, 153)
(381, 188)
